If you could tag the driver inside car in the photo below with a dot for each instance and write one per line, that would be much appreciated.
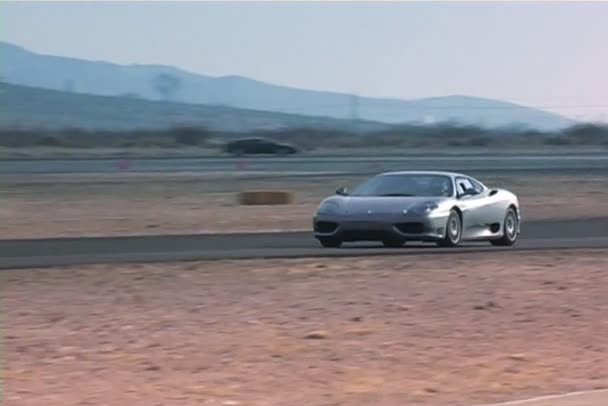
(440, 187)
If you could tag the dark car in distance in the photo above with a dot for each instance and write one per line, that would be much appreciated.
(247, 146)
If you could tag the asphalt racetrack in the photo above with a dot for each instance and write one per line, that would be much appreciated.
(584, 233)
(587, 233)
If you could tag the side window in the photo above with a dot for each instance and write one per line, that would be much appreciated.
(476, 185)
(464, 185)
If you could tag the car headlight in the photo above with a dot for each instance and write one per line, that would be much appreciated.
(426, 208)
(328, 208)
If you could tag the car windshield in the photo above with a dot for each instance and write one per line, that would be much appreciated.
(421, 185)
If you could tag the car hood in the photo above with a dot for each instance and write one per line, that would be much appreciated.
(379, 205)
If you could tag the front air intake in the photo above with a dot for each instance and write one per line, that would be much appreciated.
(410, 228)
(325, 226)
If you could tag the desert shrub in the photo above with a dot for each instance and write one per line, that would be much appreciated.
(559, 140)
(478, 141)
(400, 137)
(49, 141)
(588, 134)
(190, 135)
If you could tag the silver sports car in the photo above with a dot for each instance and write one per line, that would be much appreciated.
(441, 207)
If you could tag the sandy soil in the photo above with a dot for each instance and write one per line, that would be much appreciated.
(145, 204)
(415, 330)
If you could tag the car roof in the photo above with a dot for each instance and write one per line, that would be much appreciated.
(443, 173)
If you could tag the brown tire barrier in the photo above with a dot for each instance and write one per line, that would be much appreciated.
(265, 197)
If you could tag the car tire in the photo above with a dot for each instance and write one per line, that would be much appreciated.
(329, 242)
(510, 227)
(453, 230)
(393, 242)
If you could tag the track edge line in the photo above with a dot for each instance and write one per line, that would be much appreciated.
(546, 397)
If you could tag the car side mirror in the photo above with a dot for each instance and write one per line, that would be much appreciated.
(493, 192)
(342, 191)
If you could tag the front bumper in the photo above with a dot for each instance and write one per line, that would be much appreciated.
(378, 227)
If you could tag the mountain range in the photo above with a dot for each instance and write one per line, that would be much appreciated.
(182, 89)
(34, 107)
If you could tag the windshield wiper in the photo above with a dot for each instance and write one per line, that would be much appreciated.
(397, 195)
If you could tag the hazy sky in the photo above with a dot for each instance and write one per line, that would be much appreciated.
(549, 55)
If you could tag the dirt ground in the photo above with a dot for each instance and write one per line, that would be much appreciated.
(416, 330)
(93, 205)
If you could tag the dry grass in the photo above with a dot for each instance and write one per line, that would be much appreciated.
(446, 331)
(188, 203)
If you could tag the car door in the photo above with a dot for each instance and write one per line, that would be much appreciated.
(254, 146)
(492, 210)
(267, 147)
(248, 146)
(471, 202)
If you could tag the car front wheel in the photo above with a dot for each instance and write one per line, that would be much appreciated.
(453, 231)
